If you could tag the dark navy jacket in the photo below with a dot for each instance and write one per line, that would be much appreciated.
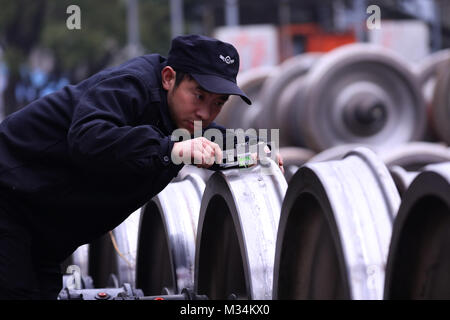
(77, 162)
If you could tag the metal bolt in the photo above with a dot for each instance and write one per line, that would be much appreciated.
(102, 295)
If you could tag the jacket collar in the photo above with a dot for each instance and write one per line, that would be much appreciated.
(160, 95)
(168, 123)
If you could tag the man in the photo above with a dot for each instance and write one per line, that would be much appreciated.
(74, 164)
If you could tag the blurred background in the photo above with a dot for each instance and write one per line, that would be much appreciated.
(281, 42)
(39, 54)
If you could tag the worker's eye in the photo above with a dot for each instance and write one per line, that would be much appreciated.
(220, 103)
(199, 96)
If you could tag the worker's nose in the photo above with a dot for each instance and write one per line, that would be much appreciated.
(203, 112)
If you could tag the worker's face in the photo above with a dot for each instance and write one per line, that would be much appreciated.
(189, 102)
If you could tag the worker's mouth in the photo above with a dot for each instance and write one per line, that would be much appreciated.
(190, 125)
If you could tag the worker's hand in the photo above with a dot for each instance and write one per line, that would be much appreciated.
(280, 162)
(199, 151)
(267, 150)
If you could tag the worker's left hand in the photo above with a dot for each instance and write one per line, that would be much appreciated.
(280, 162)
(279, 158)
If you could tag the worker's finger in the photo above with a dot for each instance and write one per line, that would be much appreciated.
(199, 158)
(200, 149)
(280, 162)
(207, 149)
(211, 154)
(208, 160)
(213, 149)
(208, 155)
(280, 159)
(196, 152)
(204, 145)
(198, 144)
(218, 154)
(203, 155)
(183, 152)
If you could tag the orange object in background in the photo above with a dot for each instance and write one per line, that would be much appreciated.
(327, 42)
(314, 38)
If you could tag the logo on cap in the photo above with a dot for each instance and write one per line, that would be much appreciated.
(226, 59)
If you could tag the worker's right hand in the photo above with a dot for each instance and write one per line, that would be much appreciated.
(199, 151)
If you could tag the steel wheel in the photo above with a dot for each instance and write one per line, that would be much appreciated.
(440, 112)
(237, 231)
(419, 259)
(360, 94)
(335, 228)
(166, 246)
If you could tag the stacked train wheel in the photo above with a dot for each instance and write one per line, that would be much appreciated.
(335, 228)
(440, 112)
(278, 97)
(360, 94)
(419, 259)
(427, 72)
(112, 257)
(237, 233)
(167, 234)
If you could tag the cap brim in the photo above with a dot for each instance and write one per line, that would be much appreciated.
(220, 85)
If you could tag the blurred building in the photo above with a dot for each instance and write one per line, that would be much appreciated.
(412, 27)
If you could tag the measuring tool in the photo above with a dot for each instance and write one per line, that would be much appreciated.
(241, 157)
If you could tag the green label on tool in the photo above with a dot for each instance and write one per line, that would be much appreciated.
(244, 161)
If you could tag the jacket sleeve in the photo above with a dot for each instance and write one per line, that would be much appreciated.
(102, 135)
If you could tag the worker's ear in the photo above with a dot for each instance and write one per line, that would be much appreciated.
(168, 78)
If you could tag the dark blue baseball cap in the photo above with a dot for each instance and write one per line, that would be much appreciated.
(212, 63)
